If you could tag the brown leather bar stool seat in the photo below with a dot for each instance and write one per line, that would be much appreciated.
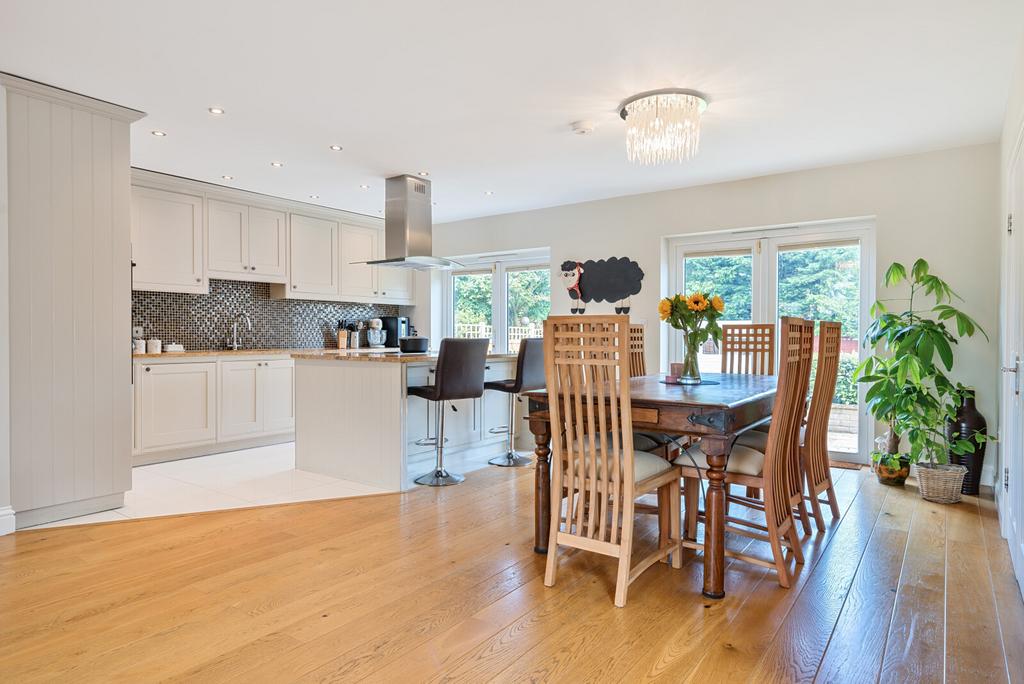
(529, 376)
(459, 375)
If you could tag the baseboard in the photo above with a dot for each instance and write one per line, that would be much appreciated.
(6, 520)
(165, 455)
(72, 509)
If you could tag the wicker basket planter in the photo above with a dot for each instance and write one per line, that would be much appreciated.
(940, 482)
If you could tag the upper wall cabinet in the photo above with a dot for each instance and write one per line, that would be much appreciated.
(246, 243)
(362, 282)
(167, 241)
(313, 250)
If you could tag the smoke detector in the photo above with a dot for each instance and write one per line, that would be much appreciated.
(582, 127)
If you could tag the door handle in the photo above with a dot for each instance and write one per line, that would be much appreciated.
(1015, 369)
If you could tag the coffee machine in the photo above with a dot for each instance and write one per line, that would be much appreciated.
(396, 328)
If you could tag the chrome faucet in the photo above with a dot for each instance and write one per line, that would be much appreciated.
(233, 342)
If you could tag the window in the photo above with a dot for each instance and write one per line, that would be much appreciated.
(471, 305)
(503, 300)
(528, 303)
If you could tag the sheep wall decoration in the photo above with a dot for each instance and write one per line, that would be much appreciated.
(605, 280)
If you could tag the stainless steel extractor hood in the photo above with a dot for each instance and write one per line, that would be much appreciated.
(408, 226)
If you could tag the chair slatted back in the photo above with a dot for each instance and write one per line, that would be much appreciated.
(781, 464)
(586, 362)
(816, 437)
(748, 348)
(637, 362)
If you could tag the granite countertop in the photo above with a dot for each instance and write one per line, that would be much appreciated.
(367, 354)
(226, 352)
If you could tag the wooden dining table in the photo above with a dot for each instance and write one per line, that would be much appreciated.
(718, 410)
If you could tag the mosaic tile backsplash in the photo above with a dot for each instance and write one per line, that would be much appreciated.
(204, 321)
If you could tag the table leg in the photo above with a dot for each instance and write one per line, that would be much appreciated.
(541, 430)
(716, 449)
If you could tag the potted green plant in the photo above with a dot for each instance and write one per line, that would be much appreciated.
(907, 385)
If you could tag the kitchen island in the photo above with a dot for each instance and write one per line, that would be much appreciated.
(354, 419)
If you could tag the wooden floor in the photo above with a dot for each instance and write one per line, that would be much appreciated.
(444, 584)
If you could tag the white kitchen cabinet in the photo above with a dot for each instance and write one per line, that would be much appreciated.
(277, 392)
(246, 243)
(167, 241)
(395, 284)
(268, 244)
(314, 256)
(178, 404)
(241, 410)
(362, 282)
(256, 397)
(359, 244)
(228, 230)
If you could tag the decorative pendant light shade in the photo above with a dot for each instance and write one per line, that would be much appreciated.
(663, 125)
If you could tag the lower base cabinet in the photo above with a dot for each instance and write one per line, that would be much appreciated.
(177, 404)
(185, 404)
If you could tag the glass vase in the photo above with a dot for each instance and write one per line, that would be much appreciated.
(689, 369)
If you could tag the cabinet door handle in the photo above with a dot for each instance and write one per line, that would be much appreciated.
(294, 287)
(383, 293)
(199, 280)
(147, 369)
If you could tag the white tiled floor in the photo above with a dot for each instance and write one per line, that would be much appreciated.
(237, 479)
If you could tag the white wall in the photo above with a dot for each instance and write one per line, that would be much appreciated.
(6, 511)
(943, 206)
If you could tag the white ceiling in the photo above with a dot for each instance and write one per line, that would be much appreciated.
(481, 94)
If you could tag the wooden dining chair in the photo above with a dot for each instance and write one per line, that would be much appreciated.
(654, 442)
(637, 362)
(748, 348)
(814, 433)
(814, 450)
(595, 467)
(776, 471)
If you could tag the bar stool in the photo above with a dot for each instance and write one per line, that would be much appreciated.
(529, 376)
(459, 375)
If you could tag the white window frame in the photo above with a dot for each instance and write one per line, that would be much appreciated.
(764, 244)
(499, 267)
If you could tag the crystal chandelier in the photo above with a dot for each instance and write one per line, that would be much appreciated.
(663, 125)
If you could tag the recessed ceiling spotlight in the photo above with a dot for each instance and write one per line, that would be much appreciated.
(228, 177)
(488, 192)
(364, 186)
(423, 174)
(277, 165)
(158, 134)
(314, 197)
(216, 111)
(336, 148)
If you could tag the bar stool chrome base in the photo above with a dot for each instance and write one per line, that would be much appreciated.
(511, 460)
(439, 478)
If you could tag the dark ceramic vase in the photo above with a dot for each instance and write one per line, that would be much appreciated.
(968, 421)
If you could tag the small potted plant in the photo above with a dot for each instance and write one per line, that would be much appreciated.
(696, 316)
(908, 388)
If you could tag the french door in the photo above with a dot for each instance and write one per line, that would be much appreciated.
(820, 272)
(1010, 483)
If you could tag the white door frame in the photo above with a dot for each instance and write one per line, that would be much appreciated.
(764, 244)
(1009, 484)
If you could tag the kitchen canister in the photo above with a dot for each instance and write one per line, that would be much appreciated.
(138, 346)
(153, 347)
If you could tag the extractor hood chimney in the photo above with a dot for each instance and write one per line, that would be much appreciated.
(408, 226)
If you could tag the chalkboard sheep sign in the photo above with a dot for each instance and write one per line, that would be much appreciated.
(605, 280)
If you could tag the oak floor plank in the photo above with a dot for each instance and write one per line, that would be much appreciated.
(915, 643)
(973, 640)
(855, 649)
(1009, 605)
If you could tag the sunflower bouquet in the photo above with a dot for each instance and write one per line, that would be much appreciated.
(696, 315)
